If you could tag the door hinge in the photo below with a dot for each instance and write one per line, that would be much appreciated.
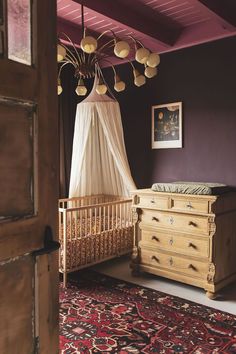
(36, 345)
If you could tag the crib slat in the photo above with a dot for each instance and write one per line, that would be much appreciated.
(64, 248)
(80, 224)
(95, 222)
(86, 222)
(116, 215)
(90, 221)
(100, 219)
(104, 218)
(121, 214)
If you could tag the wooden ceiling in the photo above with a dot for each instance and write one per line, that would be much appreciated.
(161, 25)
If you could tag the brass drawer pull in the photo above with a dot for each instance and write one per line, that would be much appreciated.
(190, 244)
(152, 201)
(155, 238)
(154, 258)
(155, 218)
(189, 205)
(191, 223)
(191, 266)
(171, 241)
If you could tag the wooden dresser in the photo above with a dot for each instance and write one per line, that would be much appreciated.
(188, 238)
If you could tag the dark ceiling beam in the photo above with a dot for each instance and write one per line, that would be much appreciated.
(75, 32)
(224, 9)
(117, 10)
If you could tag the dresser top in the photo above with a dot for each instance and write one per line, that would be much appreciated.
(189, 203)
(149, 191)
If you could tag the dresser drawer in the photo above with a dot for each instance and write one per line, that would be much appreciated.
(174, 263)
(189, 205)
(178, 222)
(176, 243)
(154, 202)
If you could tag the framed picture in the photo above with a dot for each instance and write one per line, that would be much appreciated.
(167, 126)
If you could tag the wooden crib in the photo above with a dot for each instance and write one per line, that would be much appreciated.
(93, 229)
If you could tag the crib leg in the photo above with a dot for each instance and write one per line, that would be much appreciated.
(64, 279)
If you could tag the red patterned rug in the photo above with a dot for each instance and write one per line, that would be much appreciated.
(99, 314)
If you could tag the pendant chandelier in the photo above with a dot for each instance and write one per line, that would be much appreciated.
(93, 53)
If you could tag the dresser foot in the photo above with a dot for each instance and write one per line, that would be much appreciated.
(211, 295)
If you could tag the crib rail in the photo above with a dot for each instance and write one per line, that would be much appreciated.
(92, 219)
(77, 202)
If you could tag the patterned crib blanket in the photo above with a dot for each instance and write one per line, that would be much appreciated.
(82, 227)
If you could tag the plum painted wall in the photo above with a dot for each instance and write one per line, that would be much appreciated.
(204, 79)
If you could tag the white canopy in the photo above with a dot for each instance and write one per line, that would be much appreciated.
(99, 160)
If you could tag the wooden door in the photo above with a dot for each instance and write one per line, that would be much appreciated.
(28, 177)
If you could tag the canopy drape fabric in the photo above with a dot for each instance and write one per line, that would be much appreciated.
(99, 161)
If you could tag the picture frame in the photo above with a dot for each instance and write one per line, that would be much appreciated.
(167, 126)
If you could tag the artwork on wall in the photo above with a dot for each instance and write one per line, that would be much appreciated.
(167, 126)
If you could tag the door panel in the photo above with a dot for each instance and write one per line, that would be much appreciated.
(17, 306)
(46, 287)
(17, 141)
(29, 185)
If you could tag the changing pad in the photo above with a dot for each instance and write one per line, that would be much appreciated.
(192, 188)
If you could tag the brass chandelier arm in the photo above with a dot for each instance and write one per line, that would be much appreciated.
(70, 56)
(107, 45)
(103, 33)
(68, 61)
(71, 59)
(59, 71)
(135, 40)
(132, 65)
(98, 58)
(101, 58)
(74, 47)
(108, 61)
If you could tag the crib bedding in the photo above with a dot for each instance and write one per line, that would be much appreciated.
(93, 248)
(83, 227)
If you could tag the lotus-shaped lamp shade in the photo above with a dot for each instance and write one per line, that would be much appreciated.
(81, 89)
(150, 72)
(61, 52)
(122, 49)
(153, 60)
(89, 44)
(101, 89)
(59, 87)
(139, 79)
(142, 55)
(119, 86)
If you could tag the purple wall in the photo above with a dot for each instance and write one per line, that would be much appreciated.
(204, 79)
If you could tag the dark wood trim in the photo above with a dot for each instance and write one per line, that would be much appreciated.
(154, 28)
